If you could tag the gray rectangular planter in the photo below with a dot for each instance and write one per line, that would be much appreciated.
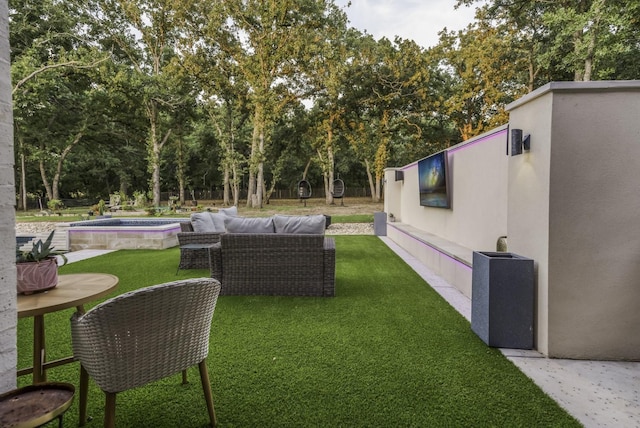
(380, 223)
(502, 301)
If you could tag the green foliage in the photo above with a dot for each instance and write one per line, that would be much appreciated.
(140, 199)
(101, 206)
(193, 94)
(39, 251)
(55, 204)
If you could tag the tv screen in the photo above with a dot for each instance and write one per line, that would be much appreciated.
(433, 176)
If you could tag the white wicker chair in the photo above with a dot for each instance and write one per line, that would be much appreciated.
(145, 335)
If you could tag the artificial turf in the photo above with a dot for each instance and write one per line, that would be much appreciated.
(386, 351)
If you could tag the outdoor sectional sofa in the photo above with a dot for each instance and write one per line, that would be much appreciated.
(279, 255)
(196, 235)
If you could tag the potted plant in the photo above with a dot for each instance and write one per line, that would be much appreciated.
(37, 269)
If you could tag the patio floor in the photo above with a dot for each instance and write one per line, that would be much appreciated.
(597, 393)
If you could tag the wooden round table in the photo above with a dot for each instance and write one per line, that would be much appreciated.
(73, 290)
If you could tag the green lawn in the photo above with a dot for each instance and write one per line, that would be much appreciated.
(387, 351)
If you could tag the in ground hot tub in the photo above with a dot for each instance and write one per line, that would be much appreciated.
(124, 233)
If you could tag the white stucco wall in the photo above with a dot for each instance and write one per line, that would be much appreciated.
(8, 321)
(528, 208)
(478, 213)
(574, 207)
(478, 182)
(571, 203)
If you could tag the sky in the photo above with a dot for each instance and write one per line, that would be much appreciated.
(418, 20)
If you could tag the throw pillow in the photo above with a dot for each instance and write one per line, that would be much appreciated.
(218, 222)
(202, 222)
(249, 225)
(230, 212)
(311, 224)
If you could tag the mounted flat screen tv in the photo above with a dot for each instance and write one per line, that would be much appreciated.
(434, 176)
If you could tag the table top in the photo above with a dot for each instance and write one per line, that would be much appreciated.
(72, 290)
(35, 405)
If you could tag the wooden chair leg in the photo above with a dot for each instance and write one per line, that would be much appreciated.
(208, 396)
(184, 377)
(84, 388)
(110, 410)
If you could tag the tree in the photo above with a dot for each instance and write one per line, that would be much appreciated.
(142, 35)
(388, 96)
(571, 39)
(277, 41)
(327, 69)
(52, 67)
(210, 51)
(485, 75)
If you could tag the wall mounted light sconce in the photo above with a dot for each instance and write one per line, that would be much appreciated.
(518, 142)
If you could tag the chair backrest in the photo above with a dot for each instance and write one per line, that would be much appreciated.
(147, 334)
(186, 226)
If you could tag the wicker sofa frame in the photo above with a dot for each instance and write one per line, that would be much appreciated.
(274, 264)
(197, 258)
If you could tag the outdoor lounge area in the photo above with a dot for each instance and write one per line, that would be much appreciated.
(386, 351)
(394, 346)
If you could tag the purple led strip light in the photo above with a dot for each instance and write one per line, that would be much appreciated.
(464, 146)
(474, 142)
(431, 247)
(114, 229)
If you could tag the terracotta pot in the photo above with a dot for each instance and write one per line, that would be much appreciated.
(37, 276)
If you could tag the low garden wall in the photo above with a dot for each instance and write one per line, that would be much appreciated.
(568, 200)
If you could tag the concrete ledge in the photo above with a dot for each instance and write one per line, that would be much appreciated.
(457, 252)
(451, 261)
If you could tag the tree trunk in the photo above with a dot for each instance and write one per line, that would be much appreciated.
(56, 178)
(45, 181)
(154, 153)
(372, 186)
(226, 186)
(23, 175)
(251, 185)
(236, 186)
(577, 73)
(260, 177)
(328, 167)
(180, 172)
(593, 34)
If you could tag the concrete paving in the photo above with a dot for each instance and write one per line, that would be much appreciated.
(75, 256)
(596, 393)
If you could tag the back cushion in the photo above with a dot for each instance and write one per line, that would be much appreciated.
(202, 222)
(218, 221)
(311, 224)
(248, 224)
(230, 212)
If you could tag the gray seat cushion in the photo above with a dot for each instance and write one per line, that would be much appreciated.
(310, 224)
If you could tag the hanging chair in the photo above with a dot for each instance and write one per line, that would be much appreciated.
(338, 190)
(304, 191)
